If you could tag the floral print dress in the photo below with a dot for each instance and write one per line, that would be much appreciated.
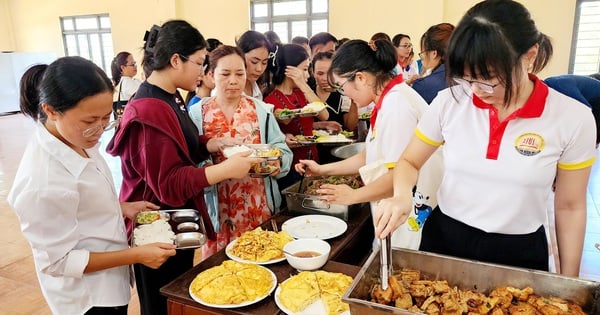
(242, 202)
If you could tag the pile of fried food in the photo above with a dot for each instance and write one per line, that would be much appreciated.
(260, 245)
(264, 169)
(350, 180)
(232, 283)
(408, 291)
(305, 288)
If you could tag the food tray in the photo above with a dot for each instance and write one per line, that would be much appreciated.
(300, 203)
(260, 150)
(263, 171)
(467, 274)
(187, 225)
(288, 113)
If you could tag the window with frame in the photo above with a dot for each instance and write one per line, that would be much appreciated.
(290, 18)
(90, 37)
(585, 49)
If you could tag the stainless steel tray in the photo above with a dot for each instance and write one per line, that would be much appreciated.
(301, 203)
(187, 225)
(467, 274)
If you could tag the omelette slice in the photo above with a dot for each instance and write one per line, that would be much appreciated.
(207, 276)
(333, 282)
(224, 290)
(299, 291)
(255, 281)
(333, 303)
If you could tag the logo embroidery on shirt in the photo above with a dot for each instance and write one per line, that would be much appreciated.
(529, 144)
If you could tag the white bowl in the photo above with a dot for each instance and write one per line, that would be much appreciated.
(307, 245)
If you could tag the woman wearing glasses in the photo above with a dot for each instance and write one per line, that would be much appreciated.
(64, 193)
(364, 72)
(123, 69)
(433, 57)
(506, 137)
(404, 49)
(159, 147)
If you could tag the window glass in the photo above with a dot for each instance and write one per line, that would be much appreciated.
(281, 28)
(88, 23)
(318, 26)
(290, 18)
(299, 28)
(104, 22)
(289, 7)
(89, 37)
(261, 9)
(319, 6)
(68, 25)
(586, 59)
(261, 27)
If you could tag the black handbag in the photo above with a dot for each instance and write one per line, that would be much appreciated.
(119, 105)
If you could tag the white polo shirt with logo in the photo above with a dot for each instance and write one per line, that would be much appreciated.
(498, 175)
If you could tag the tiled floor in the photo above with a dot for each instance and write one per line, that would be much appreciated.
(19, 289)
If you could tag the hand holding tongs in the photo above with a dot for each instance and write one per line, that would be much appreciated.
(308, 157)
(385, 258)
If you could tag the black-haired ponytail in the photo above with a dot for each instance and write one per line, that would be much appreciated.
(29, 98)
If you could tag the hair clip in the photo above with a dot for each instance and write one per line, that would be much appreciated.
(150, 38)
(273, 55)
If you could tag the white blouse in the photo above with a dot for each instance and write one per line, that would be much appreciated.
(68, 207)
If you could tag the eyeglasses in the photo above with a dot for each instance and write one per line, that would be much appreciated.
(468, 84)
(406, 46)
(104, 127)
(421, 53)
(188, 59)
(131, 65)
(340, 87)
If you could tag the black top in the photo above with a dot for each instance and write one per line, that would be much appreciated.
(176, 102)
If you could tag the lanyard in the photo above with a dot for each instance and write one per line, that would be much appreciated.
(396, 80)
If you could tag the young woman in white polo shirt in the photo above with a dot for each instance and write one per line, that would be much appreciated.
(506, 137)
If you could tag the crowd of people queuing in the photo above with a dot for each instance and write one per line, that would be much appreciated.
(465, 122)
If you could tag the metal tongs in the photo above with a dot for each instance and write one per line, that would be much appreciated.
(385, 258)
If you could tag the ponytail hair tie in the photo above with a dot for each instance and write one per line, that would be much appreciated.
(150, 38)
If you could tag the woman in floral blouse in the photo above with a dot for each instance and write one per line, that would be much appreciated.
(247, 202)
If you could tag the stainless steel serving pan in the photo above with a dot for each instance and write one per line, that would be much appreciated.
(301, 203)
(467, 274)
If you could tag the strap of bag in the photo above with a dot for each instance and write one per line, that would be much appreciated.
(270, 178)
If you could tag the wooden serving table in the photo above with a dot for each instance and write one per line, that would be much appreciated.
(348, 252)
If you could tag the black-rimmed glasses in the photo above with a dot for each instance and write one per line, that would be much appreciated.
(340, 87)
(421, 53)
(188, 59)
(468, 84)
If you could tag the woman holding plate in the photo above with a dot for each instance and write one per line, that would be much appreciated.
(247, 202)
(291, 91)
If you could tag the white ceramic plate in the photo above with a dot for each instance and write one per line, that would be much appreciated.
(315, 226)
(238, 259)
(317, 308)
(199, 300)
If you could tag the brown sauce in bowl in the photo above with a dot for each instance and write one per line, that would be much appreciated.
(307, 254)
